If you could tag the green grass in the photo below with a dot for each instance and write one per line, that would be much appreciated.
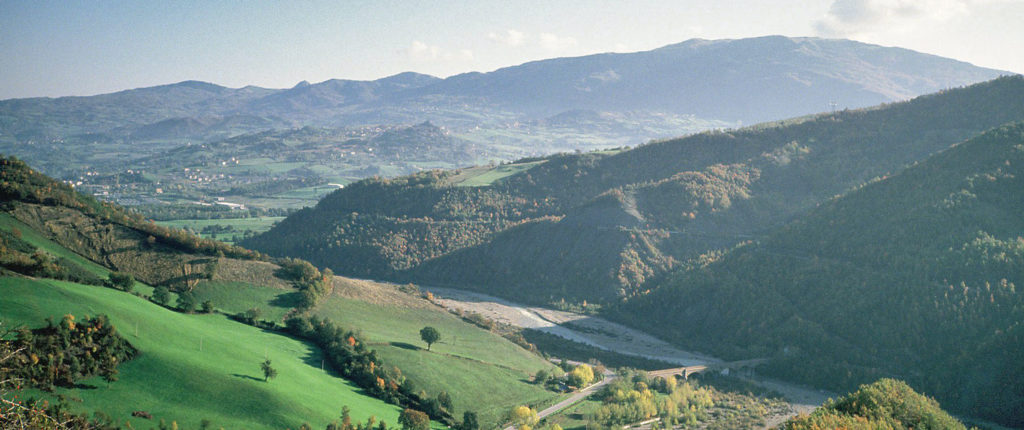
(489, 390)
(308, 193)
(173, 379)
(9, 223)
(576, 416)
(256, 224)
(482, 371)
(484, 176)
(236, 297)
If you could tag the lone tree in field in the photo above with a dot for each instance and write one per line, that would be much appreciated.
(430, 335)
(268, 372)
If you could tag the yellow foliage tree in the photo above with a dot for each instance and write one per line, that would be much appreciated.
(524, 417)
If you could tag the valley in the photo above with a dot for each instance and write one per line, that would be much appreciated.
(768, 232)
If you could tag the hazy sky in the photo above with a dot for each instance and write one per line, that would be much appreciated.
(73, 47)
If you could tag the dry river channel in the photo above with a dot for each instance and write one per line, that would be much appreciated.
(607, 335)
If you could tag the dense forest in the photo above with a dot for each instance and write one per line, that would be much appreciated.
(914, 276)
(606, 226)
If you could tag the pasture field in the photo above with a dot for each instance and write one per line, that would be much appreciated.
(233, 297)
(483, 176)
(193, 367)
(482, 371)
(239, 225)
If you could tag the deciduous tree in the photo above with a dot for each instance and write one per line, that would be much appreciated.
(430, 335)
(268, 371)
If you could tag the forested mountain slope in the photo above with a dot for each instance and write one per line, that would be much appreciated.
(600, 226)
(915, 276)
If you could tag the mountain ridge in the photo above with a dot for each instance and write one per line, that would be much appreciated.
(696, 196)
(605, 81)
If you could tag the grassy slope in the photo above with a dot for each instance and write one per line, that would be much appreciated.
(484, 176)
(235, 297)
(482, 371)
(257, 225)
(9, 223)
(173, 379)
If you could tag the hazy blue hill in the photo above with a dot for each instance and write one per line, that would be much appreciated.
(749, 80)
(912, 276)
(50, 118)
(306, 101)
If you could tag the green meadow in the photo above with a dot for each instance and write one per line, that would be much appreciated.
(483, 176)
(193, 367)
(173, 379)
(482, 371)
(240, 225)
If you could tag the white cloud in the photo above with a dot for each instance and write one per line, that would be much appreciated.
(554, 42)
(509, 37)
(856, 17)
(421, 51)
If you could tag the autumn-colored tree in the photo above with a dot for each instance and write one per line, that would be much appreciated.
(411, 419)
(523, 417)
(581, 376)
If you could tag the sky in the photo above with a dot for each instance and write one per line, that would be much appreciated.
(80, 47)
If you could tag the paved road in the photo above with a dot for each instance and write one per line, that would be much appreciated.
(580, 395)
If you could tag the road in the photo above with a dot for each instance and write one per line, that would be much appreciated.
(571, 400)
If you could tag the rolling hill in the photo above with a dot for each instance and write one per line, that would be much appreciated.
(601, 226)
(49, 232)
(913, 276)
(562, 104)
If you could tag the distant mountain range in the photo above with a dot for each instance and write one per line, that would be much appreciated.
(745, 80)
